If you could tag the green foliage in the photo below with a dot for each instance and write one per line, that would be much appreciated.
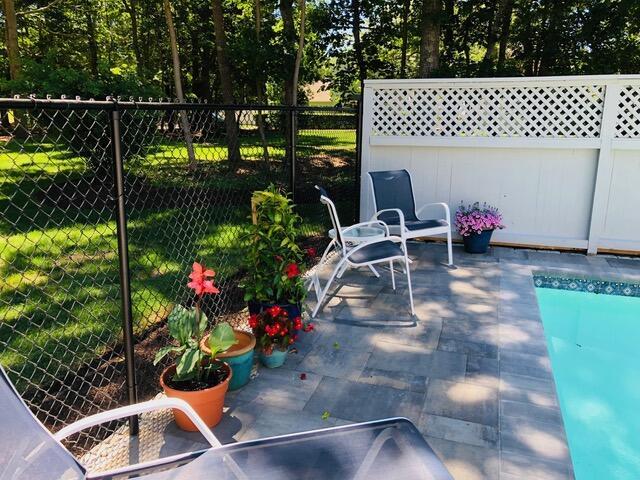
(544, 37)
(187, 327)
(272, 249)
(221, 339)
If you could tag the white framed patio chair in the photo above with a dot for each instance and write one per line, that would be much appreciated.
(390, 449)
(384, 250)
(393, 190)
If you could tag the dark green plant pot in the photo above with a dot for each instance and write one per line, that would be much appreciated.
(293, 310)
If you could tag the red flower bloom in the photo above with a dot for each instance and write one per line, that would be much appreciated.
(292, 270)
(311, 252)
(200, 280)
(297, 323)
(274, 311)
(309, 327)
(253, 320)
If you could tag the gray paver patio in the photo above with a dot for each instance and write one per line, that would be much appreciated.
(471, 369)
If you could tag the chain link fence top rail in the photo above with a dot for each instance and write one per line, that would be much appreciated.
(189, 171)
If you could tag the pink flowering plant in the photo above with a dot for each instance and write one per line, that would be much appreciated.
(474, 218)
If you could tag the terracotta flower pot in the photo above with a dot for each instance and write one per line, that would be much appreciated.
(239, 357)
(207, 403)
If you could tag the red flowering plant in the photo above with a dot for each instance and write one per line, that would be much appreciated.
(187, 328)
(275, 329)
(274, 261)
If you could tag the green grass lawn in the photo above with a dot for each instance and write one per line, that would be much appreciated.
(59, 282)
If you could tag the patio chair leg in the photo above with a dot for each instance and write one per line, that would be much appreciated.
(393, 277)
(375, 272)
(324, 291)
(449, 248)
(342, 269)
(326, 252)
(406, 265)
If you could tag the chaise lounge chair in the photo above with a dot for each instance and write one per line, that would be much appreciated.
(386, 449)
(393, 190)
(385, 248)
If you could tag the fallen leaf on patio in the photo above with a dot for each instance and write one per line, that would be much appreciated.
(303, 376)
(325, 415)
(336, 345)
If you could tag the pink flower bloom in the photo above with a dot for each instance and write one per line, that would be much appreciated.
(201, 280)
(475, 219)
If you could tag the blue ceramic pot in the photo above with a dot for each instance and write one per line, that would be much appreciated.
(477, 242)
(275, 360)
(239, 357)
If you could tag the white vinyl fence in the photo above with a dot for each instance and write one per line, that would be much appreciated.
(560, 156)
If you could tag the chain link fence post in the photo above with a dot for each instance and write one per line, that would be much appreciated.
(123, 255)
(292, 143)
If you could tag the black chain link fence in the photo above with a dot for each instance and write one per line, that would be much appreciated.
(188, 174)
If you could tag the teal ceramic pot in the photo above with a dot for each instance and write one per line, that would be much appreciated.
(275, 360)
(239, 357)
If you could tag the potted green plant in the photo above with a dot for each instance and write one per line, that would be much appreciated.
(201, 380)
(476, 225)
(274, 261)
(276, 331)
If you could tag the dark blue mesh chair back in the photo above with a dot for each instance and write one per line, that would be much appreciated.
(27, 450)
(333, 214)
(392, 189)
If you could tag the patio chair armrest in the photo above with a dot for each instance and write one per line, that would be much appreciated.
(447, 212)
(135, 409)
(394, 210)
(367, 224)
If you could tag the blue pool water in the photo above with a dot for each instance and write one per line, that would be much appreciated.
(594, 345)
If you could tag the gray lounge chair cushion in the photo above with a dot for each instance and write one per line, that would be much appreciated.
(27, 450)
(386, 450)
(376, 251)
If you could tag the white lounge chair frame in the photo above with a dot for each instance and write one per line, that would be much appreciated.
(346, 254)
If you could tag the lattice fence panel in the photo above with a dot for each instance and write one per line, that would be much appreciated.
(514, 111)
(628, 124)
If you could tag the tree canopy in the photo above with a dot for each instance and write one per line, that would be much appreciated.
(247, 51)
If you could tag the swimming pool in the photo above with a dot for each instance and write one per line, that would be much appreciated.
(594, 345)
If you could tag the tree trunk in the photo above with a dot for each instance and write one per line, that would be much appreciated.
(184, 120)
(302, 6)
(260, 91)
(11, 37)
(430, 38)
(505, 30)
(406, 6)
(289, 31)
(492, 40)
(500, 21)
(226, 82)
(92, 43)
(449, 39)
(357, 42)
(550, 47)
(130, 7)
